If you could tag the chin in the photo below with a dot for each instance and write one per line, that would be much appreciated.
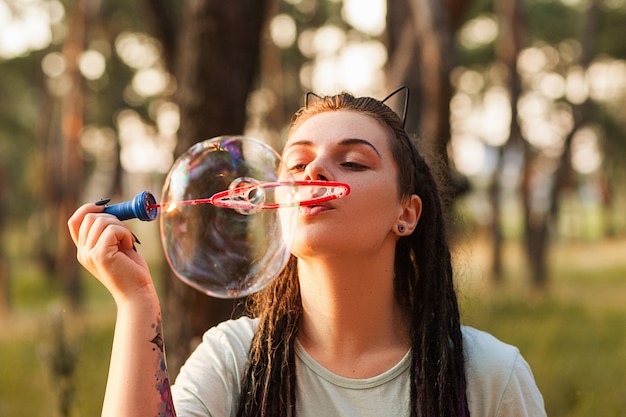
(316, 246)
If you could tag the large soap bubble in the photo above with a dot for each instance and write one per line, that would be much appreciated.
(227, 253)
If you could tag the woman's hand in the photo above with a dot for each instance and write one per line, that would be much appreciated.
(106, 248)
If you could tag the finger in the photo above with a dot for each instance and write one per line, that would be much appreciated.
(111, 232)
(77, 218)
(107, 230)
(86, 234)
(86, 229)
(121, 235)
(92, 228)
(102, 238)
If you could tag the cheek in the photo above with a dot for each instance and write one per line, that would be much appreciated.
(377, 198)
(369, 219)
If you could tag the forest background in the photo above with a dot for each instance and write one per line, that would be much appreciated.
(519, 103)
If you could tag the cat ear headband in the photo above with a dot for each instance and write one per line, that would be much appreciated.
(310, 94)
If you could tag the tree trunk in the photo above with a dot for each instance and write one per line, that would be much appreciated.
(537, 235)
(215, 70)
(421, 58)
(71, 156)
(538, 231)
(513, 29)
(5, 284)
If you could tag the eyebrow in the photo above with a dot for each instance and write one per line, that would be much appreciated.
(344, 142)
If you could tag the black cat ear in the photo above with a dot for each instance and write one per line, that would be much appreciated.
(404, 89)
(309, 97)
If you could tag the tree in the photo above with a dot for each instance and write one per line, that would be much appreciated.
(71, 158)
(512, 39)
(63, 167)
(543, 123)
(215, 63)
(537, 232)
(420, 49)
(5, 300)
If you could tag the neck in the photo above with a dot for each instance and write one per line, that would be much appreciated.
(350, 314)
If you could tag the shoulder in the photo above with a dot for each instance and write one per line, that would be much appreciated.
(219, 363)
(228, 343)
(499, 380)
(484, 350)
(233, 332)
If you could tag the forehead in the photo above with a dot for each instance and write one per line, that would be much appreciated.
(339, 125)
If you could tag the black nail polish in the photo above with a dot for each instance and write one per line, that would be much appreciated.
(102, 202)
(136, 238)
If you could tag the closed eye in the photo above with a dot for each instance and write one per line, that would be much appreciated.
(355, 166)
(297, 167)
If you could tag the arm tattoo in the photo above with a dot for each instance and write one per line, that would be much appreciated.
(166, 408)
(158, 341)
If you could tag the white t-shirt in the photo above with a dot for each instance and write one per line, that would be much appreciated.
(499, 381)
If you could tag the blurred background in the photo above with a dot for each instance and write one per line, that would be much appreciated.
(520, 104)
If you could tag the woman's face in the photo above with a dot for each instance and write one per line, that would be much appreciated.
(353, 148)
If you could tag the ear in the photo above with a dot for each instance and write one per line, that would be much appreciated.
(410, 216)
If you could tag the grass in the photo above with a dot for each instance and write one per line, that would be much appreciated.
(573, 336)
(29, 341)
(577, 357)
(30, 389)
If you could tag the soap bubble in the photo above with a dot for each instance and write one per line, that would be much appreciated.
(227, 253)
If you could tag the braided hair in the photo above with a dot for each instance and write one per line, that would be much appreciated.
(423, 283)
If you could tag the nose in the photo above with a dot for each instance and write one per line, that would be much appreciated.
(316, 171)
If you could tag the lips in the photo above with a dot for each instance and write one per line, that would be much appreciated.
(314, 209)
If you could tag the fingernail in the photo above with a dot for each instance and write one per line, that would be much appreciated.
(102, 202)
(136, 238)
(134, 248)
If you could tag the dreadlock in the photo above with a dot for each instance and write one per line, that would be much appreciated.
(423, 284)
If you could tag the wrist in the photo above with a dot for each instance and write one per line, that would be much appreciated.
(141, 298)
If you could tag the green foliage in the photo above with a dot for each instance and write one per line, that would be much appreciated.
(612, 28)
(541, 16)
(20, 92)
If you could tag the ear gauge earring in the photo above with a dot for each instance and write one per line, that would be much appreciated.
(401, 228)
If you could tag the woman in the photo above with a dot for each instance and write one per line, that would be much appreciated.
(363, 321)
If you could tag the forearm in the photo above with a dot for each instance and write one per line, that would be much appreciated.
(138, 383)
